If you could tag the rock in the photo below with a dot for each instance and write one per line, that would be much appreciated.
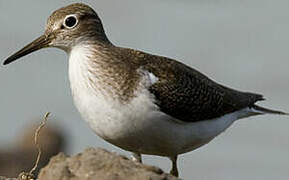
(96, 163)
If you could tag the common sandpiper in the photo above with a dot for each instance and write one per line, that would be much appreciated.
(142, 103)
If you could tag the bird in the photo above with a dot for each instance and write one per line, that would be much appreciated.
(140, 102)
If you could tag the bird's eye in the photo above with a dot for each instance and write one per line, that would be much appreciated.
(70, 21)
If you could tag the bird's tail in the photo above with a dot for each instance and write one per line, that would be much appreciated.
(262, 110)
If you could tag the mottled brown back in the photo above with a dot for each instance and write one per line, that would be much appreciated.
(185, 93)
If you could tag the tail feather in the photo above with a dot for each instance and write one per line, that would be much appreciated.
(262, 110)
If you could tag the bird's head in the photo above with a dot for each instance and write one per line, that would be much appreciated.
(67, 27)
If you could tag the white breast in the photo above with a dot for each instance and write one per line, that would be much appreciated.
(108, 117)
(138, 125)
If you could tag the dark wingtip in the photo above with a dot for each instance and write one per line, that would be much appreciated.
(260, 97)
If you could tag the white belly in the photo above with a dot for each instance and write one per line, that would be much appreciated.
(137, 125)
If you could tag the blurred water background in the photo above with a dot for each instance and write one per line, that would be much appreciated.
(240, 43)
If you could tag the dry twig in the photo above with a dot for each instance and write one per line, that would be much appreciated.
(30, 175)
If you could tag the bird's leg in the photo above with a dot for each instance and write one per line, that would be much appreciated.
(136, 157)
(174, 170)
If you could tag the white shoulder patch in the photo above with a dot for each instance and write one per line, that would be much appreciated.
(153, 78)
(148, 77)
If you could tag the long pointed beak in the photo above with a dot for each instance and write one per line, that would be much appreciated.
(39, 43)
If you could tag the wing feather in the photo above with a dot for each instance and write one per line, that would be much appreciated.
(190, 96)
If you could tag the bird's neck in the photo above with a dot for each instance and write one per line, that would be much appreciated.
(86, 69)
(93, 68)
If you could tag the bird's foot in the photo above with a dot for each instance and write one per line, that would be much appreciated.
(174, 172)
(136, 157)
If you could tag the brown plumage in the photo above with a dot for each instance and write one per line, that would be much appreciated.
(135, 100)
(182, 92)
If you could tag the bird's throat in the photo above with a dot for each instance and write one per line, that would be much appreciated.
(94, 70)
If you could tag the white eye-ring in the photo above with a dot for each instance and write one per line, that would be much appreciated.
(70, 21)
